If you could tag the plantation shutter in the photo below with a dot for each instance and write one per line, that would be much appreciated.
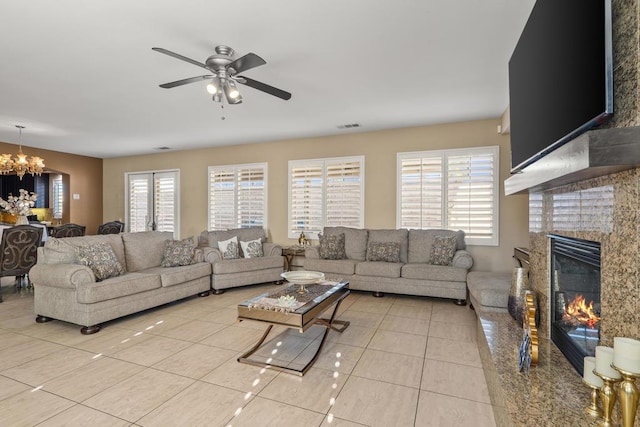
(306, 181)
(58, 197)
(343, 193)
(237, 196)
(153, 202)
(421, 192)
(165, 201)
(470, 194)
(450, 189)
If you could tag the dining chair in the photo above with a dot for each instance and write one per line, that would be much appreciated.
(68, 230)
(18, 252)
(112, 227)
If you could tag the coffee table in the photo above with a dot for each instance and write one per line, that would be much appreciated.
(261, 309)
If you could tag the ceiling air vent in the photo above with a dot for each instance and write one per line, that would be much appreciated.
(163, 148)
(349, 126)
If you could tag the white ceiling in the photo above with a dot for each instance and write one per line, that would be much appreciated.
(81, 75)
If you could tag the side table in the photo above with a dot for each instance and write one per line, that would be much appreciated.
(289, 252)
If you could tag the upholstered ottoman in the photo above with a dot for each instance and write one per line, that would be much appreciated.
(489, 291)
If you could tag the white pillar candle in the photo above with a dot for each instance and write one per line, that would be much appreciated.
(604, 359)
(627, 354)
(588, 376)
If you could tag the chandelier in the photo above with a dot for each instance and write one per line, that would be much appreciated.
(20, 164)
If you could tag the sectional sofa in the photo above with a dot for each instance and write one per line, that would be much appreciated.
(414, 262)
(127, 278)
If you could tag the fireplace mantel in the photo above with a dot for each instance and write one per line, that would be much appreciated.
(592, 154)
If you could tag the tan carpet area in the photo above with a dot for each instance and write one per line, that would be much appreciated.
(403, 361)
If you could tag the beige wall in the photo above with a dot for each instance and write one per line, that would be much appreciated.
(379, 148)
(85, 179)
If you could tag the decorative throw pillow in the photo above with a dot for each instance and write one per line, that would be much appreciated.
(101, 259)
(332, 246)
(383, 251)
(443, 249)
(229, 248)
(177, 253)
(252, 249)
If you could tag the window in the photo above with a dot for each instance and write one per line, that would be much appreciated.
(325, 192)
(450, 189)
(153, 200)
(237, 196)
(58, 196)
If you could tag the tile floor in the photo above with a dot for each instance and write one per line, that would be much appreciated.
(404, 361)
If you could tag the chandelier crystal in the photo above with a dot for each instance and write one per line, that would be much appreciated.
(20, 164)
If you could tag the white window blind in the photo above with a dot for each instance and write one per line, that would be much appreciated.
(450, 189)
(58, 197)
(153, 200)
(325, 192)
(237, 196)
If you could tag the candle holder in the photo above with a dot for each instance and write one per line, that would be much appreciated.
(628, 395)
(593, 409)
(608, 397)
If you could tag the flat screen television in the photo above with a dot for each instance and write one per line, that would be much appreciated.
(560, 77)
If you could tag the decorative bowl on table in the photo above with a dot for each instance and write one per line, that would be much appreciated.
(303, 278)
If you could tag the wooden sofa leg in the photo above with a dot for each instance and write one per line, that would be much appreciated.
(461, 302)
(204, 294)
(88, 330)
(218, 291)
(378, 294)
(43, 319)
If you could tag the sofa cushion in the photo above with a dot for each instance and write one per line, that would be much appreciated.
(229, 248)
(144, 249)
(420, 242)
(332, 246)
(398, 236)
(240, 265)
(177, 253)
(424, 271)
(379, 269)
(442, 250)
(101, 259)
(383, 251)
(116, 287)
(62, 250)
(252, 248)
(355, 241)
(178, 275)
(343, 267)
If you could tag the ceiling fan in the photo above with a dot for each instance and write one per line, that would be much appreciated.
(224, 69)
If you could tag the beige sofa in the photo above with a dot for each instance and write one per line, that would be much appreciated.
(412, 274)
(241, 271)
(68, 291)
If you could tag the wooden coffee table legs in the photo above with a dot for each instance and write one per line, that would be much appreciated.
(327, 323)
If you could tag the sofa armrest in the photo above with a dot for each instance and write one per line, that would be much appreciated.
(211, 254)
(271, 249)
(312, 252)
(61, 275)
(462, 259)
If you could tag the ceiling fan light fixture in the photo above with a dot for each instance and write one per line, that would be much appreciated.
(214, 86)
(232, 93)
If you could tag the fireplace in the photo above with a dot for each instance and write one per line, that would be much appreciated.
(575, 297)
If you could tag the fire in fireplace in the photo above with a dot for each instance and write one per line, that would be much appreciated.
(575, 297)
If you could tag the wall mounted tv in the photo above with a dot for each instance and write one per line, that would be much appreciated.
(560, 77)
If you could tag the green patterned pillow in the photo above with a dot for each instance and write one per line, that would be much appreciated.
(332, 246)
(101, 259)
(383, 251)
(443, 249)
(177, 253)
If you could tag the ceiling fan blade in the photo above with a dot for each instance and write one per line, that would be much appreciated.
(180, 57)
(264, 87)
(247, 62)
(185, 81)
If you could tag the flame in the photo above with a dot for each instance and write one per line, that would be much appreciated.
(578, 311)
